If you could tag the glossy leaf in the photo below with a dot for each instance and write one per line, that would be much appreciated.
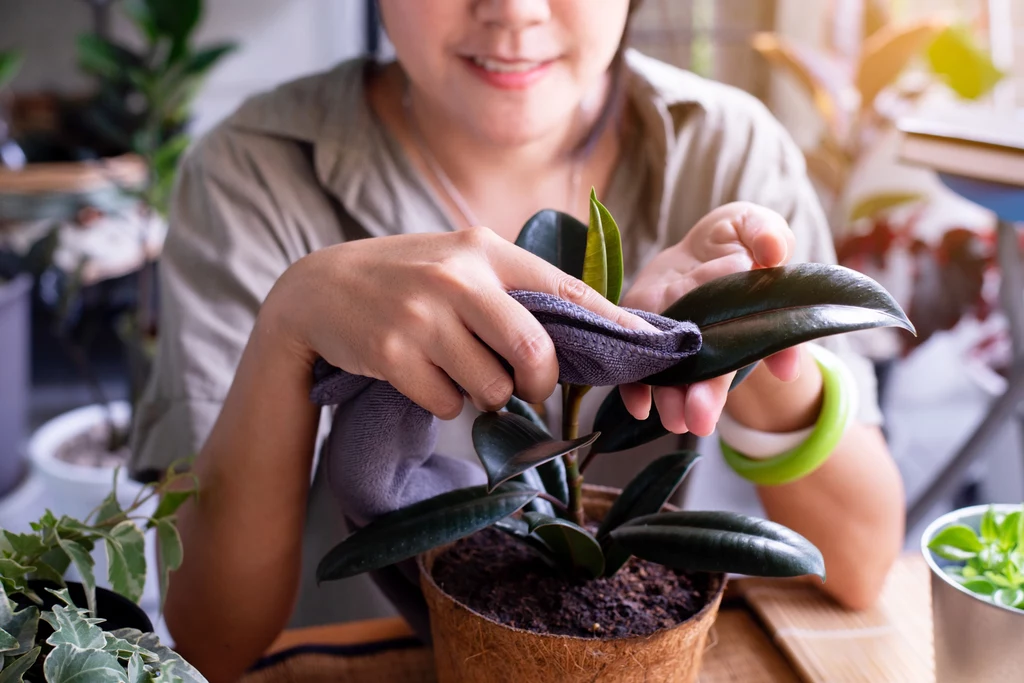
(720, 542)
(620, 431)
(83, 562)
(1010, 530)
(956, 542)
(405, 533)
(531, 478)
(507, 445)
(575, 549)
(595, 263)
(552, 473)
(613, 249)
(745, 317)
(15, 671)
(556, 237)
(72, 626)
(988, 527)
(644, 495)
(519, 407)
(520, 530)
(170, 502)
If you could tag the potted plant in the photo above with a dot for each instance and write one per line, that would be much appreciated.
(536, 576)
(976, 558)
(141, 108)
(58, 631)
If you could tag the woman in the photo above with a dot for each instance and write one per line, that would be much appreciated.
(494, 109)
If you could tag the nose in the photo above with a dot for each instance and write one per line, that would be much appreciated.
(514, 15)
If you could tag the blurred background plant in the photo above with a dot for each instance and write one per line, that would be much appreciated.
(873, 70)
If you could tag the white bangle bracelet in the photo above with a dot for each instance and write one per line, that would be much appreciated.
(759, 445)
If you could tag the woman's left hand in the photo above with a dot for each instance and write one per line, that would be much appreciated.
(733, 238)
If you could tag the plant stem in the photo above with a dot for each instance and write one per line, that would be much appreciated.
(572, 396)
(553, 500)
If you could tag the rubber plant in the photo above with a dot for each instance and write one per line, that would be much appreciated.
(535, 478)
(75, 647)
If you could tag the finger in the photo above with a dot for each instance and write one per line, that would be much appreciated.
(519, 269)
(428, 386)
(671, 403)
(704, 404)
(766, 234)
(637, 399)
(785, 365)
(516, 335)
(473, 367)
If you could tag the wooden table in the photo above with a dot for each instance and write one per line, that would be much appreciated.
(768, 631)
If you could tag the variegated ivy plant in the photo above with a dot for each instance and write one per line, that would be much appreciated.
(79, 649)
(534, 489)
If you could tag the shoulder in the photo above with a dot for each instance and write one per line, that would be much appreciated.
(702, 110)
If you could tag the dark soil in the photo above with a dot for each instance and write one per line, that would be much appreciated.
(91, 449)
(507, 581)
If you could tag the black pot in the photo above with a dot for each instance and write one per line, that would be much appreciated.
(116, 610)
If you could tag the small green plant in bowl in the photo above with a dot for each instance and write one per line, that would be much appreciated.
(58, 631)
(990, 560)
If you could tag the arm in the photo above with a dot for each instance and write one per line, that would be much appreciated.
(851, 507)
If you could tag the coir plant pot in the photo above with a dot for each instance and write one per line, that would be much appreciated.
(472, 648)
(976, 637)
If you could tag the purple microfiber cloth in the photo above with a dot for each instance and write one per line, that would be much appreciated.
(380, 452)
(380, 457)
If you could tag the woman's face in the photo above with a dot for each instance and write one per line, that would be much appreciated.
(508, 71)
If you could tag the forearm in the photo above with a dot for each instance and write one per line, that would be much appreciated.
(851, 507)
(242, 538)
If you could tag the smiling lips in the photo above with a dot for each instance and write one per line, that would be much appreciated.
(508, 74)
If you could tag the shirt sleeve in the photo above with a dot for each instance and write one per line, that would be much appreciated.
(770, 171)
(223, 253)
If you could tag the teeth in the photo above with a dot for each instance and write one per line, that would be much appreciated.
(504, 67)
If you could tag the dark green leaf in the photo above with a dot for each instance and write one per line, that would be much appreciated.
(520, 530)
(621, 431)
(405, 533)
(956, 542)
(1009, 531)
(170, 554)
(989, 529)
(508, 445)
(558, 238)
(979, 585)
(16, 670)
(139, 12)
(644, 495)
(552, 473)
(14, 570)
(519, 407)
(53, 565)
(175, 19)
(70, 664)
(613, 249)
(595, 263)
(83, 562)
(575, 549)
(204, 60)
(531, 479)
(22, 626)
(720, 542)
(10, 64)
(126, 555)
(8, 643)
(105, 58)
(745, 317)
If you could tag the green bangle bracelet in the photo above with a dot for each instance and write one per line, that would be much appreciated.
(836, 411)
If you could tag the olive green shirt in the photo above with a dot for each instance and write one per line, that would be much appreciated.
(309, 165)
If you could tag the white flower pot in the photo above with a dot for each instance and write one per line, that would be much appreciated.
(74, 489)
(975, 640)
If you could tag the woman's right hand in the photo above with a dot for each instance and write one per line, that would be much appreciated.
(421, 310)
